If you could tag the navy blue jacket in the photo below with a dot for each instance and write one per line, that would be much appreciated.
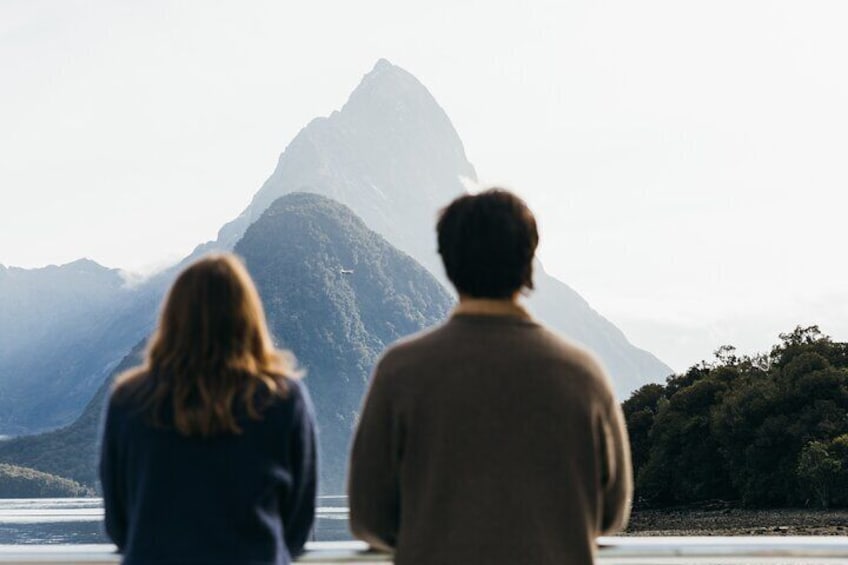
(234, 498)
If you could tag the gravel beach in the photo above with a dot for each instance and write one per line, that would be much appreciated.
(731, 521)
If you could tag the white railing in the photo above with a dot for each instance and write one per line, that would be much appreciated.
(612, 550)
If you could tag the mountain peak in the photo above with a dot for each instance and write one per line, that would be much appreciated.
(384, 69)
(301, 201)
(391, 148)
(337, 294)
(392, 88)
(86, 264)
(383, 64)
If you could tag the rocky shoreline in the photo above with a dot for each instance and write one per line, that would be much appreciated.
(730, 521)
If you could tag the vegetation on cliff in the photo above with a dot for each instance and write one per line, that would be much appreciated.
(769, 430)
(22, 482)
(335, 293)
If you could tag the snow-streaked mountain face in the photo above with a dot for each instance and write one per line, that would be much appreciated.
(390, 153)
(393, 156)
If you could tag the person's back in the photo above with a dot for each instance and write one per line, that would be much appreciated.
(208, 450)
(489, 440)
(226, 499)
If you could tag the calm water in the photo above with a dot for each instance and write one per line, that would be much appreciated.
(80, 520)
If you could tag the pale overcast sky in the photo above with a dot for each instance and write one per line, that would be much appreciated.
(687, 160)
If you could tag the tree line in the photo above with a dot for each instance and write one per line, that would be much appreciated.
(767, 430)
(21, 482)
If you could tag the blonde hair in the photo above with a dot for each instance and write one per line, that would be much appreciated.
(210, 350)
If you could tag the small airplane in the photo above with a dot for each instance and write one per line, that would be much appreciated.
(346, 271)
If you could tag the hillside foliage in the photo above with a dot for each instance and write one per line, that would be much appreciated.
(335, 293)
(768, 430)
(22, 482)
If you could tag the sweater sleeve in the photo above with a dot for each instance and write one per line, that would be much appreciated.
(298, 513)
(110, 481)
(374, 483)
(618, 472)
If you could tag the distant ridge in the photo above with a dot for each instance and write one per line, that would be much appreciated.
(337, 324)
(45, 315)
(391, 154)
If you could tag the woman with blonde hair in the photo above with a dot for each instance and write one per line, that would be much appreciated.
(208, 451)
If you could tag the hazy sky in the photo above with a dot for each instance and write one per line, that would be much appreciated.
(687, 160)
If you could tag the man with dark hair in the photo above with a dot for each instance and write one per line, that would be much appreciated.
(487, 243)
(489, 439)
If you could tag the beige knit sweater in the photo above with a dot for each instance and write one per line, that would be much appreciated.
(489, 440)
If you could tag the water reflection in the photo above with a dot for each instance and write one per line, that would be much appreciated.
(80, 520)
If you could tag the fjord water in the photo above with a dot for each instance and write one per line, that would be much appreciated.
(51, 520)
(80, 520)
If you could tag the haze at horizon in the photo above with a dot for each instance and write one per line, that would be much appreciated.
(684, 160)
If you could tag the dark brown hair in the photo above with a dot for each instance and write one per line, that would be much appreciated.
(487, 242)
(211, 350)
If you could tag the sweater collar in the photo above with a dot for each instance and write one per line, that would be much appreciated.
(490, 307)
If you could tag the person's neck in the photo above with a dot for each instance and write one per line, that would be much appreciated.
(490, 307)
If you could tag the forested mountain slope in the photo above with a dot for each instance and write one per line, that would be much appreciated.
(335, 293)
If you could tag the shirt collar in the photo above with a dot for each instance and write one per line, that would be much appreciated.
(490, 307)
